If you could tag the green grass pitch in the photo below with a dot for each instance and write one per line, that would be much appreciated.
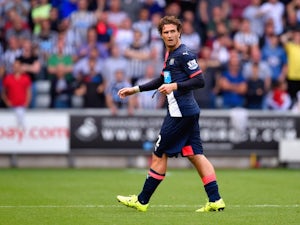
(88, 197)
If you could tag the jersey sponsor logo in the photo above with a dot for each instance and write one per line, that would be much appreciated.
(171, 61)
(167, 77)
(192, 64)
(185, 53)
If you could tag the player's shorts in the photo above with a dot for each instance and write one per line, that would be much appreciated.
(179, 135)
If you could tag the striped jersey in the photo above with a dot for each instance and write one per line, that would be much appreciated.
(181, 65)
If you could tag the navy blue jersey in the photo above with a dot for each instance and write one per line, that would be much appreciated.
(181, 65)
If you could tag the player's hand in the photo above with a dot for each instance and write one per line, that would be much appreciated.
(127, 91)
(167, 88)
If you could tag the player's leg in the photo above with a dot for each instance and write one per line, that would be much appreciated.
(194, 151)
(169, 143)
(155, 175)
(208, 176)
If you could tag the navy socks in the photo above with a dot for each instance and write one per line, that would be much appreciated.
(151, 183)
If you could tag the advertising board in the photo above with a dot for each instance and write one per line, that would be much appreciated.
(43, 132)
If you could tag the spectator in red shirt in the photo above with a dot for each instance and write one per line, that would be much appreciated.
(16, 92)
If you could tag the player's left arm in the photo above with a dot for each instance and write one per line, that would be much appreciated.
(192, 69)
(190, 84)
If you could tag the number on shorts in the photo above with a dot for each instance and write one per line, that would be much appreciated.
(157, 142)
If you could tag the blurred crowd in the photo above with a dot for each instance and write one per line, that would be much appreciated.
(86, 50)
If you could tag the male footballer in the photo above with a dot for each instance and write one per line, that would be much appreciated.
(180, 131)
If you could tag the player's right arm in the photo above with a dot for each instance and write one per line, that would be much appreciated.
(124, 92)
(151, 85)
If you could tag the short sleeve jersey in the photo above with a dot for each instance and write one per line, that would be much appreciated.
(181, 65)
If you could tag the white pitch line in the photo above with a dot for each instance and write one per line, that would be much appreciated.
(154, 206)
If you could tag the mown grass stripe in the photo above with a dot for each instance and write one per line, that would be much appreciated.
(154, 206)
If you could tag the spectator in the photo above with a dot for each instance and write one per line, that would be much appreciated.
(189, 15)
(90, 81)
(30, 65)
(232, 84)
(105, 30)
(220, 52)
(54, 19)
(99, 5)
(91, 43)
(217, 18)
(245, 39)
(256, 89)
(10, 54)
(45, 41)
(33, 5)
(291, 41)
(132, 8)
(61, 88)
(81, 20)
(206, 96)
(252, 14)
(204, 14)
(10, 16)
(63, 57)
(264, 71)
(21, 7)
(269, 31)
(124, 35)
(16, 92)
(154, 6)
(113, 63)
(138, 55)
(71, 39)
(115, 13)
(293, 13)
(18, 28)
(190, 38)
(39, 14)
(296, 106)
(156, 43)
(278, 98)
(2, 73)
(88, 64)
(173, 9)
(143, 24)
(222, 29)
(66, 8)
(113, 101)
(275, 55)
(237, 8)
(205, 10)
(274, 10)
(29, 61)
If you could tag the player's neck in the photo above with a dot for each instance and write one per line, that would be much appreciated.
(173, 48)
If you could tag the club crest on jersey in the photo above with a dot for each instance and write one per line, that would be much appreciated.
(171, 61)
(192, 64)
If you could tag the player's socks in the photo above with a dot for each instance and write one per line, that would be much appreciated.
(152, 181)
(211, 187)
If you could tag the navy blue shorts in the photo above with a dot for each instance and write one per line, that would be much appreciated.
(179, 135)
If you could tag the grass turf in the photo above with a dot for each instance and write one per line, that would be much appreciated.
(88, 197)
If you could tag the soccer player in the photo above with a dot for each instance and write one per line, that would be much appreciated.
(180, 132)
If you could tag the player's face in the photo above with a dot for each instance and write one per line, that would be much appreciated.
(170, 36)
